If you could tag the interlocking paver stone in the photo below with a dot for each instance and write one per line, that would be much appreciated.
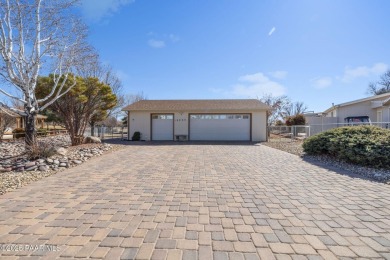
(189, 201)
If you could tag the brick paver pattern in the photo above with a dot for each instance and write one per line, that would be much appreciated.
(193, 201)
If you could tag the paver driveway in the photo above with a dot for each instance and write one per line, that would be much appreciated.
(198, 201)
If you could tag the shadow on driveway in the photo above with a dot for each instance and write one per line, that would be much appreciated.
(155, 143)
(338, 169)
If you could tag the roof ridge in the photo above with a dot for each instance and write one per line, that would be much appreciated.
(198, 104)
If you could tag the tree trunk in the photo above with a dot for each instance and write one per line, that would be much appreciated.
(76, 132)
(30, 135)
(92, 128)
(76, 139)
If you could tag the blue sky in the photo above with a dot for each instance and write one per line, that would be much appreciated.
(318, 52)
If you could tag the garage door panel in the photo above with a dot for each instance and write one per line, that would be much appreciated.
(162, 128)
(219, 129)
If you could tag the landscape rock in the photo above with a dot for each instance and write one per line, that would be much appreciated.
(43, 168)
(31, 168)
(92, 140)
(17, 170)
(29, 164)
(58, 150)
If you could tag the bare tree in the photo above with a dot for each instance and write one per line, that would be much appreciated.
(35, 36)
(110, 122)
(129, 99)
(106, 75)
(294, 109)
(278, 104)
(382, 86)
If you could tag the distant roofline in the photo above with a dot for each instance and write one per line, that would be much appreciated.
(356, 101)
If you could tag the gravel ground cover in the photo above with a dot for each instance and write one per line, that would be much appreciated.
(16, 170)
(295, 147)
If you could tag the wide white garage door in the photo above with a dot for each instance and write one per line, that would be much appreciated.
(162, 127)
(221, 127)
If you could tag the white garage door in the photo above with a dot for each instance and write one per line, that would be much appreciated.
(221, 127)
(162, 127)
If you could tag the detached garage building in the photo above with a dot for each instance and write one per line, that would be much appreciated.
(198, 120)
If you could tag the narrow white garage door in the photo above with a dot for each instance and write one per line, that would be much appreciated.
(221, 127)
(162, 127)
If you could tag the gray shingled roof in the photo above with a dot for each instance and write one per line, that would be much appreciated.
(198, 105)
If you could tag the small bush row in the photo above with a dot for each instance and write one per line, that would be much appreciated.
(20, 132)
(362, 145)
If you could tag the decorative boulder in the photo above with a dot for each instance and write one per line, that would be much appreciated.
(59, 150)
(92, 140)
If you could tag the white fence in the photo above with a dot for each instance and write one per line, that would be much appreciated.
(303, 131)
(289, 132)
(318, 128)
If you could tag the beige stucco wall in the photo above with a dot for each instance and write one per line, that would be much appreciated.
(181, 123)
(140, 121)
(259, 126)
(385, 114)
(358, 109)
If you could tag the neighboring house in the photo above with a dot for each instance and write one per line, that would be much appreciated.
(20, 121)
(377, 108)
(7, 121)
(203, 120)
(39, 121)
(374, 110)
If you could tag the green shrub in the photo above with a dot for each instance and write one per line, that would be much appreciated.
(279, 123)
(363, 145)
(136, 136)
(296, 120)
(42, 132)
(18, 132)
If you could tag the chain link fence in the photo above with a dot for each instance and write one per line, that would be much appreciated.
(288, 133)
(300, 132)
(107, 132)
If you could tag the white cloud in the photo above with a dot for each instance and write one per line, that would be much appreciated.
(156, 43)
(279, 74)
(364, 71)
(95, 10)
(322, 82)
(174, 38)
(255, 85)
(161, 40)
(379, 68)
(272, 31)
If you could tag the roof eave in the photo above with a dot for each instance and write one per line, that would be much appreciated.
(196, 109)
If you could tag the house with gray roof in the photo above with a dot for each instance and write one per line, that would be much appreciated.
(198, 120)
(376, 108)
